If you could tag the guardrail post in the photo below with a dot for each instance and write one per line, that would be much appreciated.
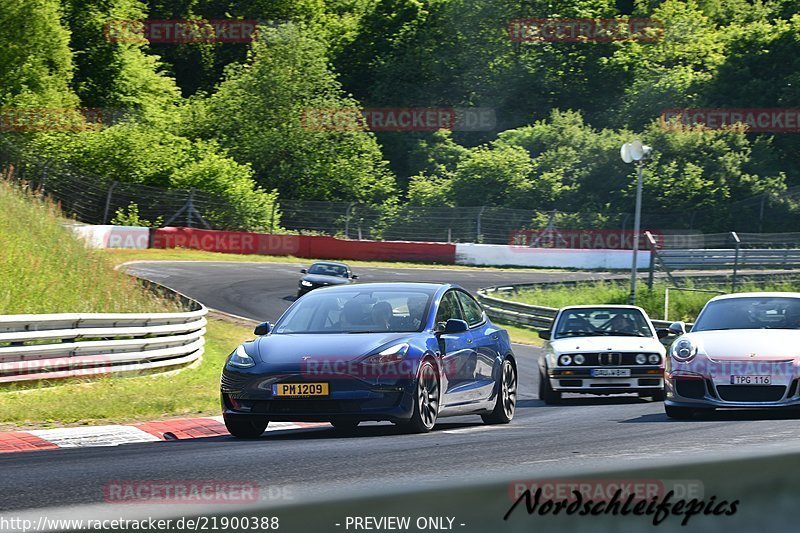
(651, 242)
(735, 260)
(108, 201)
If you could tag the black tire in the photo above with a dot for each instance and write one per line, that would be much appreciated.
(426, 400)
(245, 427)
(345, 425)
(679, 413)
(546, 392)
(506, 402)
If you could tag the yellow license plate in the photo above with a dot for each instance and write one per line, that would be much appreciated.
(300, 389)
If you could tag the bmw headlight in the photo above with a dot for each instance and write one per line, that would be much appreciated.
(683, 349)
(240, 359)
(579, 359)
(305, 283)
(653, 358)
(565, 360)
(641, 358)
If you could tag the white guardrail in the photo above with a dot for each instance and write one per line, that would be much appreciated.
(43, 347)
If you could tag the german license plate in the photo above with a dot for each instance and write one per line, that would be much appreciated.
(299, 390)
(751, 380)
(611, 372)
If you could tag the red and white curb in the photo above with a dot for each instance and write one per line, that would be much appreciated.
(86, 436)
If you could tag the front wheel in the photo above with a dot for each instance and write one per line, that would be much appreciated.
(245, 427)
(426, 401)
(546, 392)
(506, 396)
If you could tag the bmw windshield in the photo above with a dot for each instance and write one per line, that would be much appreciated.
(587, 322)
(772, 312)
(356, 311)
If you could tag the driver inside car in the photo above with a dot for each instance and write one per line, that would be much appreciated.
(622, 324)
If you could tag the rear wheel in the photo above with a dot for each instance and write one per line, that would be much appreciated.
(546, 392)
(426, 401)
(679, 413)
(506, 396)
(245, 427)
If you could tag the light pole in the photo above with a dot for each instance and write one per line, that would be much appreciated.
(635, 152)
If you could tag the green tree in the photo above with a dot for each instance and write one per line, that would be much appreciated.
(264, 113)
(35, 58)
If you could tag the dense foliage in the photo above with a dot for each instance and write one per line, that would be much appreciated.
(229, 118)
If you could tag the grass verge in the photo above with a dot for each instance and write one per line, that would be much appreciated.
(116, 399)
(683, 305)
(44, 269)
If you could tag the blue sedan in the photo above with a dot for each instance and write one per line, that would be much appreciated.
(408, 353)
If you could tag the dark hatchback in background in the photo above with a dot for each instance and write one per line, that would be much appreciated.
(407, 353)
(324, 274)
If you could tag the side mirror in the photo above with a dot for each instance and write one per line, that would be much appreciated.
(663, 333)
(262, 329)
(353, 276)
(545, 334)
(677, 328)
(303, 271)
(455, 325)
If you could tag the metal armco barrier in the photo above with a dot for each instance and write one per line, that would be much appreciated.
(42, 347)
(526, 314)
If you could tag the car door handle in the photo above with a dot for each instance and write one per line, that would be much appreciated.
(469, 341)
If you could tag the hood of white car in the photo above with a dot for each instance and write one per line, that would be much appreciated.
(763, 344)
(607, 344)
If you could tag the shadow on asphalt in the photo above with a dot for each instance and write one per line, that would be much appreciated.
(721, 415)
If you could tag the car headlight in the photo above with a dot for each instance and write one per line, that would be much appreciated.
(305, 283)
(393, 354)
(653, 358)
(565, 360)
(578, 359)
(240, 359)
(641, 358)
(683, 349)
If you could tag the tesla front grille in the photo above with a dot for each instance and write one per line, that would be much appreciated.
(751, 393)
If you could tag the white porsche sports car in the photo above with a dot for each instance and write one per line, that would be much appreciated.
(602, 349)
(743, 351)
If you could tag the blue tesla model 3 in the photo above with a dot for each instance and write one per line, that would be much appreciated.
(408, 353)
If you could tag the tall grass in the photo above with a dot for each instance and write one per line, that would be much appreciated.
(44, 269)
(683, 305)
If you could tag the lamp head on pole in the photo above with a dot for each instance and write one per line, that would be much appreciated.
(635, 151)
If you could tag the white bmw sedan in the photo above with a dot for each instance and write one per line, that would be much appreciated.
(602, 349)
(743, 351)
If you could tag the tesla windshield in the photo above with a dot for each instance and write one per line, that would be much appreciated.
(750, 313)
(590, 322)
(356, 311)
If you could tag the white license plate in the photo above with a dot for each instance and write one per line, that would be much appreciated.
(611, 372)
(751, 380)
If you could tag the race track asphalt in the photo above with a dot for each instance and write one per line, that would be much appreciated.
(303, 464)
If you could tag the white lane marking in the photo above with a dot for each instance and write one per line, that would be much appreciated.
(94, 436)
(472, 429)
